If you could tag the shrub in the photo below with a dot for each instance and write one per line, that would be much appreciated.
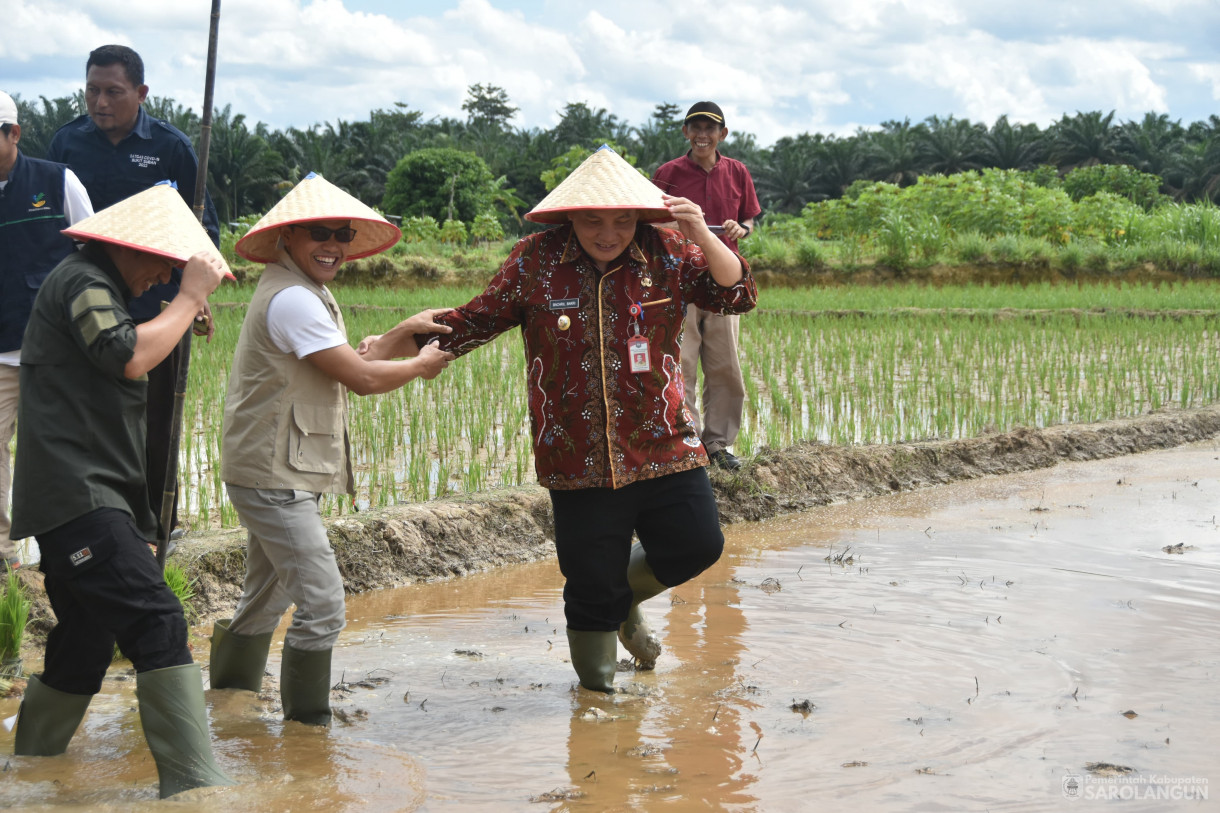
(486, 227)
(453, 231)
(895, 237)
(810, 253)
(420, 229)
(1104, 216)
(970, 247)
(1141, 188)
(1071, 257)
(442, 182)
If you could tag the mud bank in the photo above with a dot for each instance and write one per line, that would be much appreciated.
(458, 536)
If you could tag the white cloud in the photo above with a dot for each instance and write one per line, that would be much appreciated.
(1208, 74)
(35, 32)
(778, 67)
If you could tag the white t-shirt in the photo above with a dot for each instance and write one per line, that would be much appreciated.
(77, 207)
(300, 324)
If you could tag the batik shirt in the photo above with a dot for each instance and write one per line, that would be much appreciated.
(595, 422)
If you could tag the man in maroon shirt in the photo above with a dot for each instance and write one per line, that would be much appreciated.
(724, 189)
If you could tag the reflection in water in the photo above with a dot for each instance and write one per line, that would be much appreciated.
(707, 626)
(965, 648)
(666, 742)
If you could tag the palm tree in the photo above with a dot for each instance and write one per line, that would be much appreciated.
(39, 122)
(744, 147)
(1084, 140)
(840, 163)
(242, 168)
(1197, 169)
(786, 180)
(949, 145)
(581, 126)
(1150, 145)
(184, 119)
(892, 153)
(661, 139)
(1005, 146)
(326, 151)
(380, 143)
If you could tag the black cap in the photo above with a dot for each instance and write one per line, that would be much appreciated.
(708, 110)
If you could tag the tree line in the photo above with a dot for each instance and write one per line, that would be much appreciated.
(251, 167)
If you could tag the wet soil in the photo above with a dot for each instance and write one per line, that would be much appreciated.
(1023, 642)
(454, 537)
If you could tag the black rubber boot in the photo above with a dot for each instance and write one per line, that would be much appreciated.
(47, 720)
(237, 661)
(175, 724)
(305, 685)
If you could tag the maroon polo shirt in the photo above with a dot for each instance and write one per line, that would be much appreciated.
(725, 193)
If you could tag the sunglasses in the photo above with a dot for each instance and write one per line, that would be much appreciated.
(321, 234)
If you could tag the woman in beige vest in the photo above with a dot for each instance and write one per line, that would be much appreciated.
(285, 440)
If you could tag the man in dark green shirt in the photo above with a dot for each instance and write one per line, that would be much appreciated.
(80, 482)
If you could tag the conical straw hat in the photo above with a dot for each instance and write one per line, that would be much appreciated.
(603, 181)
(156, 221)
(316, 198)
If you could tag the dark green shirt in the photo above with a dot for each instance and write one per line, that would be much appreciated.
(81, 443)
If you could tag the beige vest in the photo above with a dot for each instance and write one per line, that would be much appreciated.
(285, 423)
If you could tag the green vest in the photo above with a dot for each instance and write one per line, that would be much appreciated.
(285, 423)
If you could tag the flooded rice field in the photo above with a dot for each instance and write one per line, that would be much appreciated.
(1039, 641)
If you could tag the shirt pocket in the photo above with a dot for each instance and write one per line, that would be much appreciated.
(314, 438)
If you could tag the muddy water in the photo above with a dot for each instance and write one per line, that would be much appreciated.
(972, 647)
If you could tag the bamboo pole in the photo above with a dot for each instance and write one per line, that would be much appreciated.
(170, 486)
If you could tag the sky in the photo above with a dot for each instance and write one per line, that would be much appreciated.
(777, 68)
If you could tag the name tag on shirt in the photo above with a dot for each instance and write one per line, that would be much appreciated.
(564, 304)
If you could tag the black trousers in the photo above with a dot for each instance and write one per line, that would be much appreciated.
(105, 587)
(160, 424)
(676, 520)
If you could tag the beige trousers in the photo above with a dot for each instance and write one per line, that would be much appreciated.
(289, 561)
(9, 389)
(710, 339)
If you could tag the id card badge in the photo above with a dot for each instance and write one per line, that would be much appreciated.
(637, 354)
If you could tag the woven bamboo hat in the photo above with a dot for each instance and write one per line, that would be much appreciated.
(156, 221)
(316, 198)
(603, 181)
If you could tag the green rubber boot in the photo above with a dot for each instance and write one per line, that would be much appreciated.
(237, 661)
(47, 720)
(176, 726)
(305, 685)
(635, 634)
(594, 657)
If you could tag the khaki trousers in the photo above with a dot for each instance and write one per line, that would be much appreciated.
(710, 339)
(10, 388)
(289, 561)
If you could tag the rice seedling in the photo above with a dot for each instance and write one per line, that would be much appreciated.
(840, 365)
(183, 587)
(14, 613)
